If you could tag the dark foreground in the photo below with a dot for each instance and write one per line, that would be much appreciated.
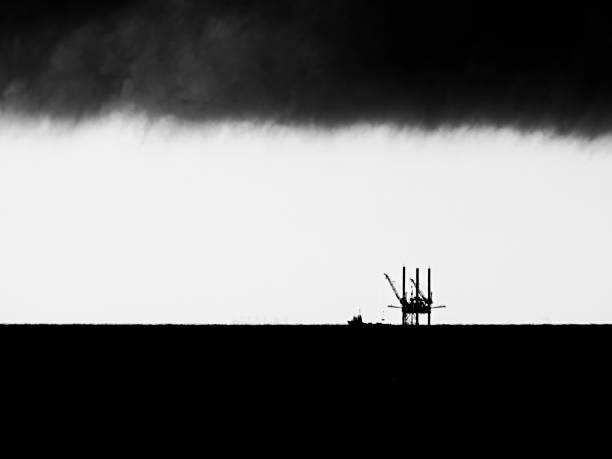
(424, 358)
(438, 379)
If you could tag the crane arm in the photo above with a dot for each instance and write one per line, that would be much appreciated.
(419, 291)
(393, 287)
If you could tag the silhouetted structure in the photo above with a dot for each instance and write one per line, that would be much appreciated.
(417, 303)
(356, 320)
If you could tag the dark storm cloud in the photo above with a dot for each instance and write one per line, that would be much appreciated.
(324, 62)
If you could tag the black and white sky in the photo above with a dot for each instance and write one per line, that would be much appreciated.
(266, 160)
(429, 63)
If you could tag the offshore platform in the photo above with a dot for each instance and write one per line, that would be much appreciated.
(414, 305)
(418, 303)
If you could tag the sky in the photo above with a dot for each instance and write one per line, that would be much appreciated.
(266, 161)
(125, 220)
(331, 63)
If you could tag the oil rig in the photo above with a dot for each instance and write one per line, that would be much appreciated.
(418, 303)
(412, 306)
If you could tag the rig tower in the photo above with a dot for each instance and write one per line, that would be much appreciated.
(418, 303)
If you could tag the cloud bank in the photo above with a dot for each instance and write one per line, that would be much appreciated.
(338, 62)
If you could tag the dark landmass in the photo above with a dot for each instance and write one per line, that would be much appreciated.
(326, 63)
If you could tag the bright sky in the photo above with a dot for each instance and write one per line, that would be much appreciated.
(118, 221)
